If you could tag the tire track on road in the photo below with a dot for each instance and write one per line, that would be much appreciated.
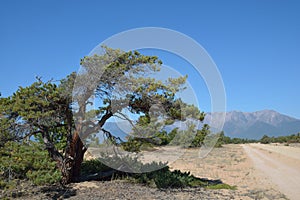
(286, 175)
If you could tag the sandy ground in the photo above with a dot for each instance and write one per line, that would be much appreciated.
(233, 166)
(259, 171)
(280, 164)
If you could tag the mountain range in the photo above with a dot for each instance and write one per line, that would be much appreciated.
(251, 125)
(254, 125)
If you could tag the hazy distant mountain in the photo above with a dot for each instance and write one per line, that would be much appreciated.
(256, 124)
(252, 125)
(119, 129)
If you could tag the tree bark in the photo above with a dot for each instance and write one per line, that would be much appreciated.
(73, 159)
(80, 149)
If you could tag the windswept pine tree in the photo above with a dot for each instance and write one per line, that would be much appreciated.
(59, 115)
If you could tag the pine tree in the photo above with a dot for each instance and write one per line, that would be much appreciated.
(119, 80)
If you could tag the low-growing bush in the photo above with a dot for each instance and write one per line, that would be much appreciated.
(27, 161)
(175, 179)
(132, 145)
(151, 174)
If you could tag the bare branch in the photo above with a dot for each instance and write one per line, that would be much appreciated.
(111, 137)
(128, 119)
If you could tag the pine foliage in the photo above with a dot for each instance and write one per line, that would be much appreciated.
(27, 161)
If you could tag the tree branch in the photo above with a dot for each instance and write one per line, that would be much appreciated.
(54, 153)
(30, 134)
(111, 137)
(97, 127)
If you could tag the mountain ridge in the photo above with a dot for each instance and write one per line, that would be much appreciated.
(251, 125)
(254, 125)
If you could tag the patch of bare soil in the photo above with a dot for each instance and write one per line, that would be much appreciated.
(114, 190)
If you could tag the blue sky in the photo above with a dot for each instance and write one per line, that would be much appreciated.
(255, 44)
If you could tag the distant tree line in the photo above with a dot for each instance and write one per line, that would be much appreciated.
(294, 138)
(228, 140)
(190, 139)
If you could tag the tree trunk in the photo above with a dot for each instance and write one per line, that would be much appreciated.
(73, 159)
(78, 159)
(66, 169)
(75, 150)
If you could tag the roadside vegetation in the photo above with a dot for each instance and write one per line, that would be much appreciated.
(294, 138)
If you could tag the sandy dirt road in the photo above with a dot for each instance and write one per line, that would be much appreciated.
(280, 164)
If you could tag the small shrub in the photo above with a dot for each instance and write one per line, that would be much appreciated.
(42, 177)
(265, 140)
(28, 161)
(175, 179)
(132, 145)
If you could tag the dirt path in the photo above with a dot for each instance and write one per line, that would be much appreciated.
(280, 164)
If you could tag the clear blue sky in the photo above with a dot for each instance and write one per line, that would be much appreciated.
(255, 43)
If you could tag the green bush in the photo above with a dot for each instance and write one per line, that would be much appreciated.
(42, 177)
(27, 161)
(265, 139)
(175, 179)
(132, 145)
